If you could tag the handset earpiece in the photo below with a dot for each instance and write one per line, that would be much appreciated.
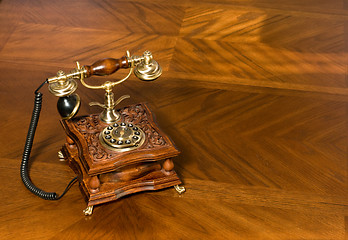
(147, 69)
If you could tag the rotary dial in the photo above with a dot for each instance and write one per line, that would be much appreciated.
(122, 137)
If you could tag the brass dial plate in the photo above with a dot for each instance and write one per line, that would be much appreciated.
(122, 137)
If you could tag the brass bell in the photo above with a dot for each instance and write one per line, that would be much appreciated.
(68, 106)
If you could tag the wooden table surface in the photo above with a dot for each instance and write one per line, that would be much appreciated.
(253, 93)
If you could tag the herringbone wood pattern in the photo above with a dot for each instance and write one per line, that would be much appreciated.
(254, 94)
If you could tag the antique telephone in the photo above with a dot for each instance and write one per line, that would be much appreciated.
(114, 153)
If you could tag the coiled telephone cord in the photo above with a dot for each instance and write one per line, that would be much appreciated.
(27, 149)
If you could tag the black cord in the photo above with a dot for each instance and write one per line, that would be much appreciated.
(36, 91)
(27, 149)
(67, 188)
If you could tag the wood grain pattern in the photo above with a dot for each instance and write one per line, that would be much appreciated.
(253, 93)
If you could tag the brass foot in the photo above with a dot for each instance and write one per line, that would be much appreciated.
(179, 189)
(61, 156)
(88, 211)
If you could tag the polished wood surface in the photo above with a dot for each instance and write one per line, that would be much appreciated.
(253, 93)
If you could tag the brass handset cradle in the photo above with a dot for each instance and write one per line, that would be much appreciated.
(64, 85)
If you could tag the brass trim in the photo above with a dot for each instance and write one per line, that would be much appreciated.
(107, 85)
(145, 68)
(109, 114)
(126, 147)
(88, 211)
(61, 156)
(62, 89)
(180, 189)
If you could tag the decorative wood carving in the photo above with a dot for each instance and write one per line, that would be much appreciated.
(91, 126)
(85, 132)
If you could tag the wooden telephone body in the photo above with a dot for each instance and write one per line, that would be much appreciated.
(105, 175)
(115, 153)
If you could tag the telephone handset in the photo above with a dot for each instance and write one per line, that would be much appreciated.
(115, 153)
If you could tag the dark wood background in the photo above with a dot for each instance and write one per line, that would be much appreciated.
(254, 93)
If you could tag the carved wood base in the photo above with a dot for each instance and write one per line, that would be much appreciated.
(116, 184)
(105, 175)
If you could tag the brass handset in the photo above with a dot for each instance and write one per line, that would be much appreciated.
(64, 85)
